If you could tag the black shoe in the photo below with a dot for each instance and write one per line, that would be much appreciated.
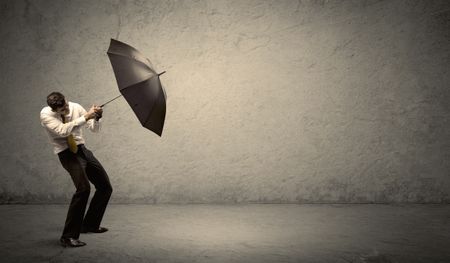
(94, 230)
(71, 242)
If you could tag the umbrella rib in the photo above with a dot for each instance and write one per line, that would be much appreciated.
(130, 58)
(159, 91)
(134, 84)
(150, 114)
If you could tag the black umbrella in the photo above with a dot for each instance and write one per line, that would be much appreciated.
(139, 84)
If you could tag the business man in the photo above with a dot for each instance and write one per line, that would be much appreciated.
(63, 121)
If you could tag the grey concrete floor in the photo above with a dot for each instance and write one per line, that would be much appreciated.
(234, 233)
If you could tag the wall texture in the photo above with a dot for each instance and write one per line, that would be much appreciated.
(268, 101)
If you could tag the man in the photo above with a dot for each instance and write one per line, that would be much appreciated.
(63, 122)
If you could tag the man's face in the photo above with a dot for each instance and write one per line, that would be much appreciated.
(64, 110)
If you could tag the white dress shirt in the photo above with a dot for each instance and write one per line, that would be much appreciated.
(58, 131)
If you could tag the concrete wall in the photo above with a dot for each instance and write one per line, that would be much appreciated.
(268, 101)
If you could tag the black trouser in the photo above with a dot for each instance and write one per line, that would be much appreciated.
(84, 167)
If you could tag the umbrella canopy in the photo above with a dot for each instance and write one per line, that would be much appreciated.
(139, 84)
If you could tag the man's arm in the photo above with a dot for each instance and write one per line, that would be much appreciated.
(58, 127)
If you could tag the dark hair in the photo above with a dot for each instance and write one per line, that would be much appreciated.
(56, 100)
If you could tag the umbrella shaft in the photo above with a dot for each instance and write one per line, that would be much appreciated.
(121, 95)
(110, 100)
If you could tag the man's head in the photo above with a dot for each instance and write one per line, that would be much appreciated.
(58, 103)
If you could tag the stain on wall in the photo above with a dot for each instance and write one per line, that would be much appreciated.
(268, 101)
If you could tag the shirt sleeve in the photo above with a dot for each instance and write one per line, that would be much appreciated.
(59, 128)
(92, 124)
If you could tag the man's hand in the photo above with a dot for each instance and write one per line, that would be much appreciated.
(98, 112)
(91, 113)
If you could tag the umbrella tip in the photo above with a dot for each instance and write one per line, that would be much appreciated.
(159, 74)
